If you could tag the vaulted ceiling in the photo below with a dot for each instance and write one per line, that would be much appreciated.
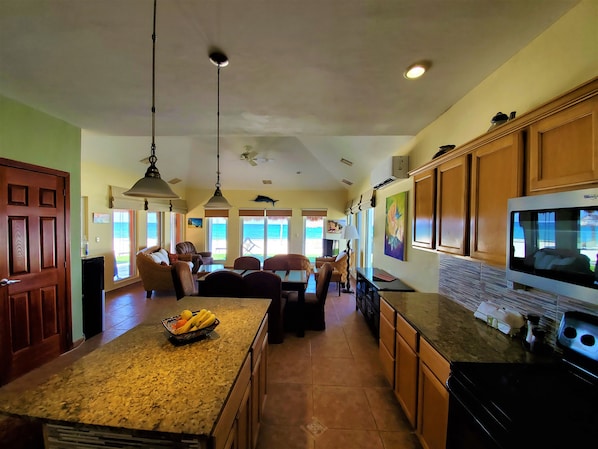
(309, 82)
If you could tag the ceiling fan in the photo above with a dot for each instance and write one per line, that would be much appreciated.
(250, 156)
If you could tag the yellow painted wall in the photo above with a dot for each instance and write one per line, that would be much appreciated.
(561, 58)
(333, 201)
(97, 178)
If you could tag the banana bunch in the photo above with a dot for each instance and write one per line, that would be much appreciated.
(200, 320)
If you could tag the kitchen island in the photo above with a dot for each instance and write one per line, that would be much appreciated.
(141, 389)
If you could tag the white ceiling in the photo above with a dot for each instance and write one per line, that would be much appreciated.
(309, 81)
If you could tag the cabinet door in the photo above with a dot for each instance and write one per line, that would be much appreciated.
(424, 209)
(452, 208)
(243, 422)
(433, 410)
(259, 358)
(496, 176)
(563, 149)
(406, 373)
(386, 343)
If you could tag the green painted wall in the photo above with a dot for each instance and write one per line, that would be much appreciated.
(31, 136)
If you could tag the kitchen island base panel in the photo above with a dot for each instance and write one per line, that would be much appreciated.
(67, 437)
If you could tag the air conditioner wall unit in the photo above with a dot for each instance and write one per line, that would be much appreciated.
(387, 172)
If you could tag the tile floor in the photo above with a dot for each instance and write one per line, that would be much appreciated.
(325, 391)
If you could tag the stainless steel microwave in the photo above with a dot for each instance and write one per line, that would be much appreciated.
(552, 243)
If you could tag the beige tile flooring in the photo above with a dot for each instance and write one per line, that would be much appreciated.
(325, 391)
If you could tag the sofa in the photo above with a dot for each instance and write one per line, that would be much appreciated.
(291, 261)
(339, 268)
(186, 252)
(155, 269)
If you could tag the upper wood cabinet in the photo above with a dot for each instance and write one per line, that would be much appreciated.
(496, 176)
(461, 198)
(452, 206)
(563, 149)
(424, 210)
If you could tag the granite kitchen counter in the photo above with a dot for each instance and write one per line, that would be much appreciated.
(453, 330)
(142, 382)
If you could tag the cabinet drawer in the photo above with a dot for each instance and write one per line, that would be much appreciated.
(387, 312)
(437, 364)
(409, 334)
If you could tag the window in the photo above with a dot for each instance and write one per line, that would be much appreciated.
(154, 228)
(216, 237)
(313, 238)
(264, 237)
(277, 236)
(123, 242)
(368, 238)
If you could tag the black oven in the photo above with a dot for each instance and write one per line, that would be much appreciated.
(530, 405)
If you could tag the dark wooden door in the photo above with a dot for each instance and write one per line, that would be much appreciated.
(35, 313)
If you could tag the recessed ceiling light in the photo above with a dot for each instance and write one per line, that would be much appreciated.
(416, 70)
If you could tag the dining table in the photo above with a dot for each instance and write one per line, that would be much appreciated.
(292, 280)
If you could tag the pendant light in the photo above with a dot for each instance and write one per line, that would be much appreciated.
(152, 185)
(218, 201)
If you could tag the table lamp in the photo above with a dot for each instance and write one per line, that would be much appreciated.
(349, 233)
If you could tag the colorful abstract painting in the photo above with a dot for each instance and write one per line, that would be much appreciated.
(395, 226)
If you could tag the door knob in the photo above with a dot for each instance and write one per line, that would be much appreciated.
(8, 281)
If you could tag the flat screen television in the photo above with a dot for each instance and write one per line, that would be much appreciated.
(329, 247)
(552, 243)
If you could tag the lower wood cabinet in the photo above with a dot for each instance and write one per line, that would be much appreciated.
(433, 398)
(232, 421)
(419, 375)
(387, 341)
(407, 368)
(259, 360)
(238, 425)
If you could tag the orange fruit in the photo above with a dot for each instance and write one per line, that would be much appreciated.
(180, 323)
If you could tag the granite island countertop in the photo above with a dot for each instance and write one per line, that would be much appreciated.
(453, 330)
(142, 382)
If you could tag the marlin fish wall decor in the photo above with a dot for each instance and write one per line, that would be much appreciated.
(265, 199)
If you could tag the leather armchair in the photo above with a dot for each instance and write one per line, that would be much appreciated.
(186, 251)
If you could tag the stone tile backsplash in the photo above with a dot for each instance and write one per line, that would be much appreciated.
(469, 282)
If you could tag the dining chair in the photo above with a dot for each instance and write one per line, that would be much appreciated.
(276, 263)
(314, 313)
(223, 283)
(247, 263)
(264, 284)
(183, 280)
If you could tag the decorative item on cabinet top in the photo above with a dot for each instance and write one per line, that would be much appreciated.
(443, 149)
(500, 119)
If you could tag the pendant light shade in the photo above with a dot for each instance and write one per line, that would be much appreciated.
(152, 185)
(218, 201)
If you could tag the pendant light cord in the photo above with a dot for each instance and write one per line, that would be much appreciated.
(153, 157)
(218, 132)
